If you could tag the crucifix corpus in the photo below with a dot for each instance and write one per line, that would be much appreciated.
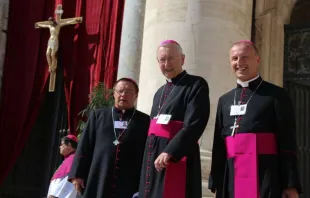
(54, 25)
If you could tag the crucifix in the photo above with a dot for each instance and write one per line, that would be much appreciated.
(54, 25)
(234, 128)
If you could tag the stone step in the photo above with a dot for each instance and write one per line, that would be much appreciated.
(205, 156)
(205, 191)
(205, 152)
(205, 165)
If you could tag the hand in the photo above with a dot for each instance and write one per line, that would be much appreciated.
(290, 193)
(162, 161)
(78, 184)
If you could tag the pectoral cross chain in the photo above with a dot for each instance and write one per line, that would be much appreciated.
(234, 128)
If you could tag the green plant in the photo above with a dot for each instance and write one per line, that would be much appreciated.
(99, 97)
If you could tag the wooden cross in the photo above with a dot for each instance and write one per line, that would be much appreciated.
(54, 26)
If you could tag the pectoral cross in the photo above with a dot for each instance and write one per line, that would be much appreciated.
(234, 128)
(116, 142)
(54, 26)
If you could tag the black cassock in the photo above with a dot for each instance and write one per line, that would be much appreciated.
(186, 99)
(109, 170)
(260, 159)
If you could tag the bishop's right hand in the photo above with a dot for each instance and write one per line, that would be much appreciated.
(78, 184)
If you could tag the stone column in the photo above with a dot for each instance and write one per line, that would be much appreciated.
(131, 40)
(206, 30)
(4, 14)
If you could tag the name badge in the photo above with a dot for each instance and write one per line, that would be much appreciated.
(238, 110)
(120, 124)
(163, 119)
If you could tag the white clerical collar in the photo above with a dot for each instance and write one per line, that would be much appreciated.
(170, 80)
(246, 83)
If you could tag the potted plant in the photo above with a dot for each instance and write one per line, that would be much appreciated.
(99, 97)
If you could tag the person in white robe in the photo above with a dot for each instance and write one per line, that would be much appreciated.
(60, 187)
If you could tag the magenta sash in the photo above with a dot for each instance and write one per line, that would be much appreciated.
(65, 167)
(175, 177)
(245, 148)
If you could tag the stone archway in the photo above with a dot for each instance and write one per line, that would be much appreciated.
(300, 13)
(278, 27)
(270, 17)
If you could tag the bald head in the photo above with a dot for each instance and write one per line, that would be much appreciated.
(247, 43)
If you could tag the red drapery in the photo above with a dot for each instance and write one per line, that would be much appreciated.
(89, 53)
(94, 55)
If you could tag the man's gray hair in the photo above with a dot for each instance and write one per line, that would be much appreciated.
(179, 48)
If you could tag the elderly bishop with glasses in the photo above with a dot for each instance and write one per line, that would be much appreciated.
(180, 112)
(108, 159)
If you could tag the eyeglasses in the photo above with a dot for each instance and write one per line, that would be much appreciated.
(120, 92)
(168, 59)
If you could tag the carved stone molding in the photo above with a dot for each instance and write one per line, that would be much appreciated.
(4, 13)
(271, 15)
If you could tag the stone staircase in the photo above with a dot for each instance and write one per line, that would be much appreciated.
(205, 170)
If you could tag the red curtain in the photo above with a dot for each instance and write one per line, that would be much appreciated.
(94, 55)
(24, 78)
(89, 53)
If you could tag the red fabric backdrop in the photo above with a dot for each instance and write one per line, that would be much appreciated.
(89, 52)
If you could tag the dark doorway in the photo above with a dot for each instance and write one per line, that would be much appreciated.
(296, 79)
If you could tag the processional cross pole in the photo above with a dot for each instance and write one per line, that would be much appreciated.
(54, 25)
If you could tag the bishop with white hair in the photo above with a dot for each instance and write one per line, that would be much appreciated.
(180, 112)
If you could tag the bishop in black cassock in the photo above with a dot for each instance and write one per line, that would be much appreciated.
(180, 112)
(254, 148)
(108, 159)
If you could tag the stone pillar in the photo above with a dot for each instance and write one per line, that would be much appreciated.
(131, 40)
(4, 14)
(205, 30)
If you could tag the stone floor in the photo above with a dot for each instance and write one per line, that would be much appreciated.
(205, 170)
